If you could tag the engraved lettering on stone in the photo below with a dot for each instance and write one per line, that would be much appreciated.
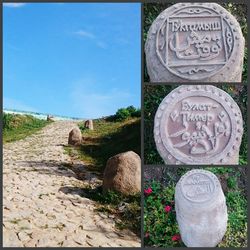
(200, 38)
(198, 187)
(206, 130)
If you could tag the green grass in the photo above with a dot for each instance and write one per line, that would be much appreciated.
(17, 127)
(160, 227)
(108, 139)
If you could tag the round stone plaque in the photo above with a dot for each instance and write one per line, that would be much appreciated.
(199, 186)
(198, 124)
(194, 41)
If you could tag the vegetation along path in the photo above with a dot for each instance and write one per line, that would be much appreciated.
(42, 206)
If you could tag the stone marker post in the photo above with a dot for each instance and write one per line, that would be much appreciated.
(191, 42)
(89, 124)
(198, 124)
(201, 209)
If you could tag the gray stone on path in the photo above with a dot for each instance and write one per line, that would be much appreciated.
(123, 173)
(198, 124)
(75, 137)
(190, 42)
(201, 209)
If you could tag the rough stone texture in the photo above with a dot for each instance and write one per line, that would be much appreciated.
(123, 173)
(43, 203)
(89, 124)
(75, 137)
(198, 124)
(201, 209)
(190, 42)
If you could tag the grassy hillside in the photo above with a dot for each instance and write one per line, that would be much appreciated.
(107, 139)
(16, 127)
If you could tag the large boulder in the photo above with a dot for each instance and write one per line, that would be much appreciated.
(123, 173)
(89, 124)
(75, 137)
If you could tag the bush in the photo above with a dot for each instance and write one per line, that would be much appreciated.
(122, 114)
(131, 110)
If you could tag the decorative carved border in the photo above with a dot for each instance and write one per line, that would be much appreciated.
(169, 155)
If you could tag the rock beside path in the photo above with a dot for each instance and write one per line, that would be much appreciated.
(75, 137)
(89, 125)
(123, 173)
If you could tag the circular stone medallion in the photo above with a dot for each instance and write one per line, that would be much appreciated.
(193, 41)
(198, 124)
(198, 186)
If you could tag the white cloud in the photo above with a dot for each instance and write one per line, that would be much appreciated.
(14, 5)
(89, 35)
(84, 33)
(10, 103)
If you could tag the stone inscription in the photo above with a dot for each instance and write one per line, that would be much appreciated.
(200, 41)
(198, 187)
(179, 25)
(198, 125)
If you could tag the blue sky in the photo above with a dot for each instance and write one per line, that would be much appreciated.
(72, 59)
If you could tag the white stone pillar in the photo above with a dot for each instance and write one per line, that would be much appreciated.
(201, 209)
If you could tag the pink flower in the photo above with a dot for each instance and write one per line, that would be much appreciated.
(176, 237)
(146, 234)
(167, 209)
(148, 191)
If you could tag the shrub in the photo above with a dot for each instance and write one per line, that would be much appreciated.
(137, 113)
(131, 110)
(122, 114)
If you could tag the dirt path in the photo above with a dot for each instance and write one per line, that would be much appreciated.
(37, 209)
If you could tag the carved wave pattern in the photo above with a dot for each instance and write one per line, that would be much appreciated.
(195, 11)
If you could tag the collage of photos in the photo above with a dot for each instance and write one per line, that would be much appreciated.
(125, 124)
(195, 113)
